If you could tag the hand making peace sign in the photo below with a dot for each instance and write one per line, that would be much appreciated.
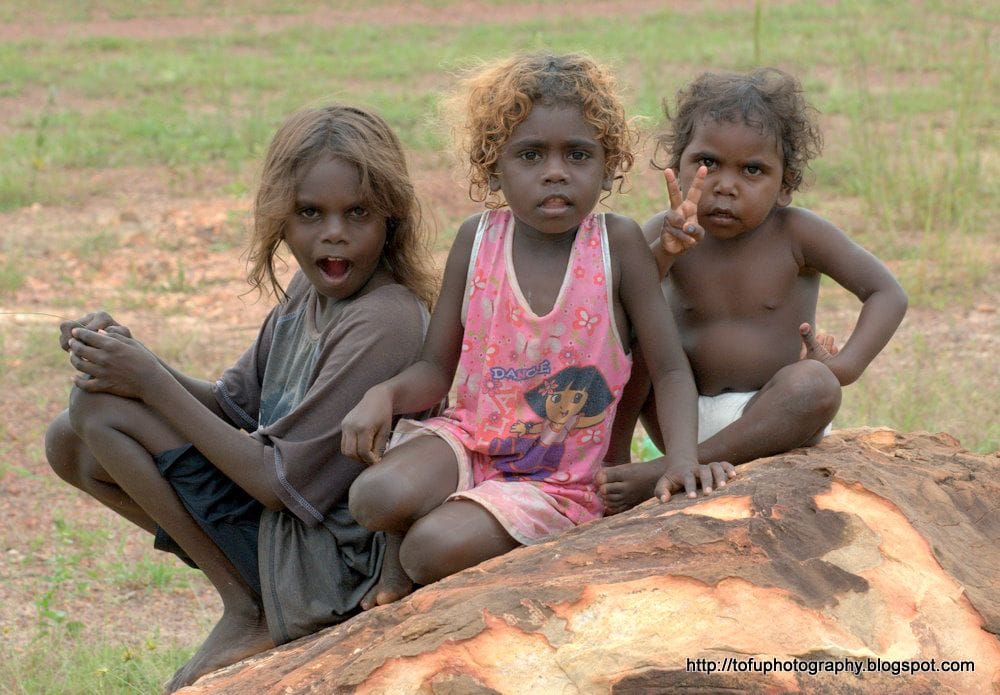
(680, 230)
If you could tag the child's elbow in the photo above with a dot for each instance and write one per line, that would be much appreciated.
(901, 300)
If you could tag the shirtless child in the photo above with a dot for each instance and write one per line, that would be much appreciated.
(742, 273)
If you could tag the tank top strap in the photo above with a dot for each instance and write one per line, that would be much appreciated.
(488, 243)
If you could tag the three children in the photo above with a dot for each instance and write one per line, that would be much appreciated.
(550, 325)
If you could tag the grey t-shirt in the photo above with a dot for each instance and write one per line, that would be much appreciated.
(295, 384)
(291, 389)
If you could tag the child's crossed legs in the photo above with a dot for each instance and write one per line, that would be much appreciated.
(429, 537)
(789, 411)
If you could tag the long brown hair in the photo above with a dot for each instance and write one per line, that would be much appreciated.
(366, 141)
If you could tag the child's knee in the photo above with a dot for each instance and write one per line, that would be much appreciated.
(87, 411)
(376, 500)
(813, 388)
(426, 554)
(61, 445)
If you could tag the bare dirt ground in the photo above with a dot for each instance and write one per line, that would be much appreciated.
(169, 266)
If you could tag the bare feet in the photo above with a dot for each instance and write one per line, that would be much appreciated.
(233, 638)
(393, 582)
(627, 484)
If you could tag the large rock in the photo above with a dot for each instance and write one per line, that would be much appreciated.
(875, 550)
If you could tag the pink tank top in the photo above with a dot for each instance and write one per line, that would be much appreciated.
(537, 394)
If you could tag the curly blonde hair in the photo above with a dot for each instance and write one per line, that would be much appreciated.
(494, 99)
(366, 141)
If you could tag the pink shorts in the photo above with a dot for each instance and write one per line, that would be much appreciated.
(527, 512)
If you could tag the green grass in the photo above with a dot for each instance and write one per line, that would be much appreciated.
(63, 663)
(906, 94)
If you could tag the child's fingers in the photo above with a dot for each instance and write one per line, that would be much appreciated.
(380, 441)
(673, 189)
(690, 484)
(97, 339)
(87, 383)
(722, 471)
(357, 444)
(82, 364)
(694, 191)
(707, 478)
(371, 444)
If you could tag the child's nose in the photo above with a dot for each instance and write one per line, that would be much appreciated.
(724, 184)
(555, 170)
(333, 229)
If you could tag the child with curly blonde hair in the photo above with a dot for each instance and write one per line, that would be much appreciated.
(539, 300)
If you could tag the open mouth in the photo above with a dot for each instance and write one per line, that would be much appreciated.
(334, 268)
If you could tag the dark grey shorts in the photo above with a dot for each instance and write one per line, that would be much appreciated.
(229, 516)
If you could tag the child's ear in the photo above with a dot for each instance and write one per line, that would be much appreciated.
(494, 182)
(607, 182)
(784, 198)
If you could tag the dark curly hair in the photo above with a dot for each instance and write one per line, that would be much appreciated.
(495, 98)
(767, 98)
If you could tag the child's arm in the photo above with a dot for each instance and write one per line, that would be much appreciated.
(103, 321)
(366, 428)
(670, 374)
(828, 250)
(673, 231)
(118, 364)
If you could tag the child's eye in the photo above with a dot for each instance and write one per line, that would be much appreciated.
(579, 156)
(530, 156)
(753, 170)
(577, 397)
(556, 397)
(706, 161)
(357, 213)
(308, 213)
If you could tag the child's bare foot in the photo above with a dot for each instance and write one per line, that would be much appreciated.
(235, 637)
(626, 485)
(393, 582)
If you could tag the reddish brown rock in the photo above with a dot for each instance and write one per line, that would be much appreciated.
(874, 548)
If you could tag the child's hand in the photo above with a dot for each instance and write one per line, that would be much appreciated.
(680, 475)
(366, 429)
(680, 229)
(96, 321)
(111, 361)
(816, 346)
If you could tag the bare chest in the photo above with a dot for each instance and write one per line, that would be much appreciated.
(756, 282)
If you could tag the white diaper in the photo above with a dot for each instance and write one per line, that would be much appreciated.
(715, 413)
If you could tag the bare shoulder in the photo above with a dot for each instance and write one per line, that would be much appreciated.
(801, 223)
(623, 232)
(461, 247)
(466, 234)
(457, 266)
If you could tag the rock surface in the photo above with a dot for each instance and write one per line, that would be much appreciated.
(875, 550)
